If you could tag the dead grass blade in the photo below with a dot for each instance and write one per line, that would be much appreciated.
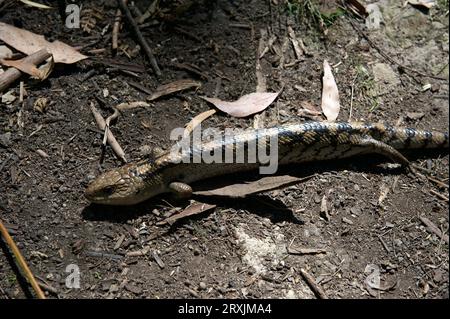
(35, 4)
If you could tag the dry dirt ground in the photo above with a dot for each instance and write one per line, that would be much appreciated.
(243, 248)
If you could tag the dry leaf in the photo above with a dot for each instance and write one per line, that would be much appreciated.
(195, 209)
(131, 105)
(197, 121)
(310, 108)
(324, 208)
(357, 8)
(46, 68)
(5, 52)
(384, 191)
(29, 43)
(374, 18)
(422, 3)
(415, 115)
(295, 43)
(42, 153)
(264, 184)
(25, 67)
(330, 94)
(29, 68)
(35, 4)
(248, 104)
(41, 104)
(173, 87)
(8, 97)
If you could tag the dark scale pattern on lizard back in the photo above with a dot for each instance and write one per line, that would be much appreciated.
(320, 137)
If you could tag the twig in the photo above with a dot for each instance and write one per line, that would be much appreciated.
(107, 122)
(388, 58)
(434, 229)
(12, 74)
(116, 27)
(261, 84)
(21, 261)
(318, 291)
(21, 91)
(140, 87)
(188, 34)
(443, 197)
(385, 246)
(140, 37)
(306, 251)
(46, 286)
(110, 137)
(351, 99)
(438, 182)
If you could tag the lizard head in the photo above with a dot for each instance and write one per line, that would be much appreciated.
(121, 186)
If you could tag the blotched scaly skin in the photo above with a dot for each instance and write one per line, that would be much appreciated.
(297, 143)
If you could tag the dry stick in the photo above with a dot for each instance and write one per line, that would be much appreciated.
(21, 261)
(261, 85)
(116, 27)
(438, 182)
(110, 137)
(318, 291)
(387, 57)
(12, 74)
(107, 122)
(140, 37)
(434, 229)
(443, 197)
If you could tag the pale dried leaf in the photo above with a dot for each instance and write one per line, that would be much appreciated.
(295, 43)
(40, 73)
(173, 87)
(374, 18)
(29, 43)
(5, 52)
(8, 97)
(194, 209)
(40, 104)
(415, 115)
(310, 108)
(131, 105)
(428, 4)
(330, 94)
(42, 153)
(46, 68)
(35, 4)
(264, 184)
(324, 208)
(24, 66)
(197, 121)
(384, 191)
(248, 104)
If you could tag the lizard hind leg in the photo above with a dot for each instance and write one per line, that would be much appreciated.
(181, 190)
(379, 147)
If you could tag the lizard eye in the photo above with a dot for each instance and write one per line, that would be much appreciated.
(109, 190)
